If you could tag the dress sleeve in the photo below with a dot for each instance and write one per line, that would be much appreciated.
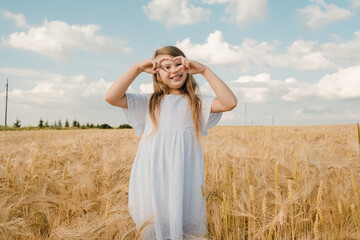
(138, 105)
(209, 119)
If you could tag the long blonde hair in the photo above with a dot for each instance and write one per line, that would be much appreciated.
(189, 89)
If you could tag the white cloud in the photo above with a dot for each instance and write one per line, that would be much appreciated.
(300, 55)
(19, 19)
(321, 14)
(216, 1)
(54, 90)
(243, 11)
(344, 53)
(175, 12)
(356, 3)
(58, 40)
(312, 110)
(343, 84)
(290, 80)
(254, 94)
(217, 51)
(261, 77)
(325, 115)
(146, 88)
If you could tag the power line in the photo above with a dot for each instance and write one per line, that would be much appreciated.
(6, 100)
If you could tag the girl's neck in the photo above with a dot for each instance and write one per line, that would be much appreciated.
(175, 92)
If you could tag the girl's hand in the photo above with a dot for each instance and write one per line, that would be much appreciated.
(190, 66)
(152, 66)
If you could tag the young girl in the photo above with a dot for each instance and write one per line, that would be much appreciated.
(167, 177)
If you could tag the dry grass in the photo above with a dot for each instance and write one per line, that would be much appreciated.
(261, 183)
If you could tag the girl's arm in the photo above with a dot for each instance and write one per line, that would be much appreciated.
(116, 93)
(225, 99)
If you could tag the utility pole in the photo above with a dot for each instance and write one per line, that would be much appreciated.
(6, 101)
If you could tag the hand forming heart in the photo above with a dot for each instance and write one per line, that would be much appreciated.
(182, 64)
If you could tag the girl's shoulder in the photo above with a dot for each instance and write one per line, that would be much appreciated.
(143, 96)
(137, 100)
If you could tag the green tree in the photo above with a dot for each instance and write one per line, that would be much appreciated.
(124, 126)
(67, 123)
(46, 124)
(17, 123)
(105, 126)
(60, 123)
(75, 123)
(41, 123)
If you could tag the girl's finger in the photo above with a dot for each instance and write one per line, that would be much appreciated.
(187, 64)
(154, 65)
(165, 58)
(160, 60)
(183, 62)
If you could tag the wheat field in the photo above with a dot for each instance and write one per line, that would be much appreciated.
(298, 182)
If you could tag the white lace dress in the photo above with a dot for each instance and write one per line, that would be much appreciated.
(168, 172)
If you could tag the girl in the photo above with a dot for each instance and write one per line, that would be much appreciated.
(167, 177)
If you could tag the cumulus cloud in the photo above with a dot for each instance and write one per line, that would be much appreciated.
(51, 90)
(314, 110)
(254, 94)
(344, 53)
(343, 84)
(58, 40)
(300, 55)
(19, 19)
(243, 11)
(320, 14)
(324, 115)
(261, 77)
(356, 3)
(175, 12)
(146, 88)
(217, 51)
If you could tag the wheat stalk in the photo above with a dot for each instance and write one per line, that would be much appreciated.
(63, 187)
(264, 203)
(276, 185)
(107, 212)
(319, 196)
(355, 188)
(340, 214)
(354, 217)
(316, 227)
(290, 190)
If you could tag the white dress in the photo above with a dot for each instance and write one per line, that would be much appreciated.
(168, 172)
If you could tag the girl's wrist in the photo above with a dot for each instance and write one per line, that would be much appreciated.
(205, 71)
(138, 69)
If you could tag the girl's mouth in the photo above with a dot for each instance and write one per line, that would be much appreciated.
(176, 77)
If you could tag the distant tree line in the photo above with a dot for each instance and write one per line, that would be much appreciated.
(75, 124)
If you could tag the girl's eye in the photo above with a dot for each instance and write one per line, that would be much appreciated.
(167, 67)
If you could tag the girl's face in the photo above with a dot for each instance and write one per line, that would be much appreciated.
(171, 74)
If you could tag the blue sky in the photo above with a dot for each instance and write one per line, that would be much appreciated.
(297, 62)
